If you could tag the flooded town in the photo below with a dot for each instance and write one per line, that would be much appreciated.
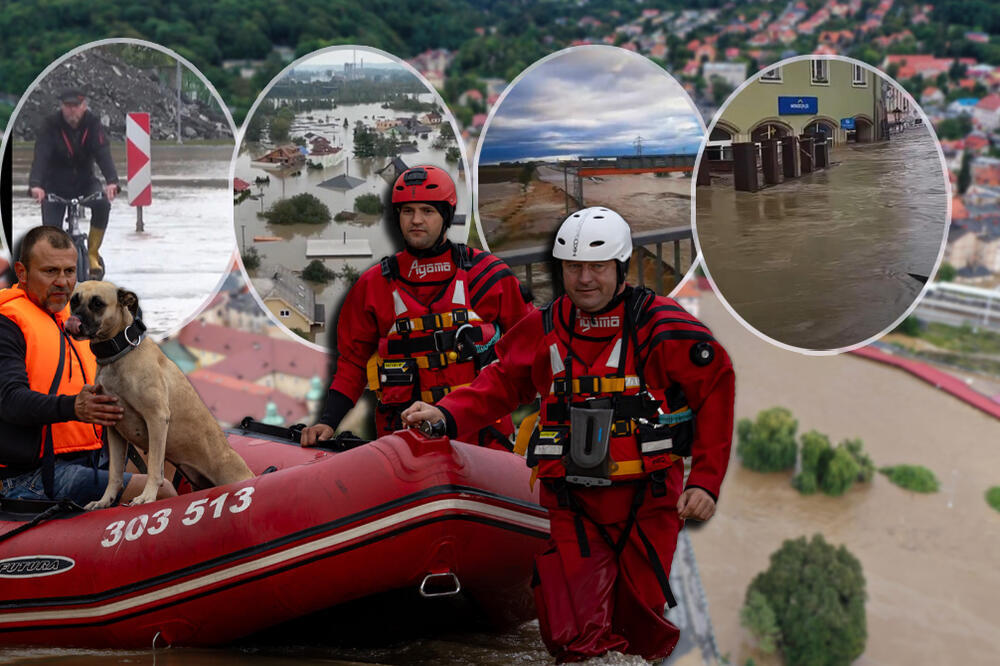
(832, 243)
(401, 124)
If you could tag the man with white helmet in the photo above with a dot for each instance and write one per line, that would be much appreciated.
(630, 384)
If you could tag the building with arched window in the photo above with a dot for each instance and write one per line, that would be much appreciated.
(839, 99)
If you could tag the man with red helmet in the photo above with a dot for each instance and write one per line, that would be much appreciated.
(424, 321)
(630, 384)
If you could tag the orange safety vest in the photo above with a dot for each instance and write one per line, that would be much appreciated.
(44, 335)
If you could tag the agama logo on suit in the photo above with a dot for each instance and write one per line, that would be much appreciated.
(33, 566)
(606, 321)
(423, 270)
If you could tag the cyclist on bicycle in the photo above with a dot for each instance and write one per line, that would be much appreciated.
(67, 145)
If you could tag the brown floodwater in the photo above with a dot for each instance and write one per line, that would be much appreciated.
(824, 261)
(930, 561)
(517, 217)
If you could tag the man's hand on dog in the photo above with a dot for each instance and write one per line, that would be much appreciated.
(315, 434)
(93, 405)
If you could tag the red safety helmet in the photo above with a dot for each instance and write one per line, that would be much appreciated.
(426, 184)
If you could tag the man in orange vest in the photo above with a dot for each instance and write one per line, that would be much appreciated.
(51, 412)
(630, 384)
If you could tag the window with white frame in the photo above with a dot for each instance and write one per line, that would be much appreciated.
(772, 75)
(860, 77)
(820, 70)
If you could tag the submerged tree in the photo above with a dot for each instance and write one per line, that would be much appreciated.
(303, 208)
(817, 594)
(768, 444)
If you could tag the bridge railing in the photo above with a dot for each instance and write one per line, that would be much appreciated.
(650, 246)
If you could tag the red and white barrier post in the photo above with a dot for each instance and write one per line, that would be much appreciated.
(140, 181)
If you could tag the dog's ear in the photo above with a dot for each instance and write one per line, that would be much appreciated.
(128, 300)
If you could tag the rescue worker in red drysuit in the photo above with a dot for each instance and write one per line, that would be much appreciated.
(423, 321)
(615, 512)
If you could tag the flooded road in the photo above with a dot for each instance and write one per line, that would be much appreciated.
(824, 261)
(929, 560)
(177, 263)
(290, 252)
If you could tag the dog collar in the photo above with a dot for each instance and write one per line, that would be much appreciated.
(109, 351)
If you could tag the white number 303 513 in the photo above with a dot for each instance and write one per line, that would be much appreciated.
(151, 525)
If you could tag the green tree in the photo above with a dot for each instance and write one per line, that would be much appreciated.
(316, 271)
(251, 259)
(911, 325)
(946, 273)
(993, 497)
(721, 90)
(369, 203)
(817, 594)
(814, 446)
(349, 274)
(839, 471)
(954, 128)
(768, 445)
(303, 208)
(758, 617)
(866, 468)
(278, 129)
(912, 477)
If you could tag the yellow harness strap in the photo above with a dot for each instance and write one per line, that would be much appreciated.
(442, 320)
(524, 432)
(374, 383)
(428, 396)
(609, 384)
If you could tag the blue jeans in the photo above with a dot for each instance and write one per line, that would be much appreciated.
(75, 480)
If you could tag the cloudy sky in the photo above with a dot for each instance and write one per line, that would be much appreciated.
(591, 101)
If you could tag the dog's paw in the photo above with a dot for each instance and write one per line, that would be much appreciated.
(98, 504)
(144, 498)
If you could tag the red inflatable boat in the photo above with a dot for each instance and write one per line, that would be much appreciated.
(313, 530)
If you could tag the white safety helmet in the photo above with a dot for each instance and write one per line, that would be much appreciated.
(594, 234)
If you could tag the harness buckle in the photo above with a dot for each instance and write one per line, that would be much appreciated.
(560, 386)
(443, 341)
(403, 326)
(459, 317)
(438, 392)
(436, 361)
(621, 428)
(590, 384)
(432, 322)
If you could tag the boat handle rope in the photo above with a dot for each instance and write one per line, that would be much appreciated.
(63, 506)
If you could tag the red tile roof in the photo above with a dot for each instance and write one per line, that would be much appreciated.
(989, 103)
(230, 400)
(250, 356)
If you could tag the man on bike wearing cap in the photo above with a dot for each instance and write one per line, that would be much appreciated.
(630, 385)
(67, 144)
(424, 321)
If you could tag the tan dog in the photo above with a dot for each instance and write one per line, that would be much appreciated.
(163, 413)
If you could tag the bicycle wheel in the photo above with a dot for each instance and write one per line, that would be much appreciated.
(82, 259)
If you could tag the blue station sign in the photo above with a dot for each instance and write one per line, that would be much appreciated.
(847, 123)
(788, 106)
